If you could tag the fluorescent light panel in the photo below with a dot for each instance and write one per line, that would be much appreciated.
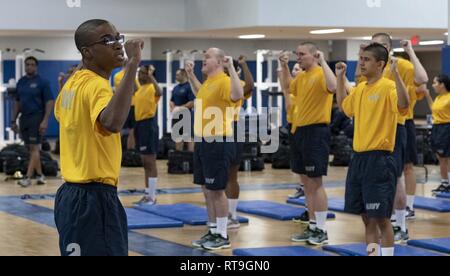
(327, 31)
(252, 36)
(431, 42)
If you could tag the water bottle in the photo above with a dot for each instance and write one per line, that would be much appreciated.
(429, 120)
(186, 167)
(248, 165)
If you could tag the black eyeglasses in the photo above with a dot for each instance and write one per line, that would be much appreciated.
(109, 40)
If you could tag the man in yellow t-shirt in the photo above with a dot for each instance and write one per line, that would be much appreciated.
(413, 74)
(440, 136)
(289, 106)
(147, 130)
(313, 90)
(216, 100)
(233, 188)
(91, 118)
(375, 105)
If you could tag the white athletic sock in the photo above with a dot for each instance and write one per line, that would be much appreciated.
(152, 182)
(222, 225)
(321, 218)
(312, 225)
(401, 219)
(213, 230)
(387, 252)
(410, 202)
(232, 207)
(445, 182)
(393, 218)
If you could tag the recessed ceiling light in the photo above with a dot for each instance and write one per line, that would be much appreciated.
(328, 31)
(252, 36)
(431, 42)
(446, 34)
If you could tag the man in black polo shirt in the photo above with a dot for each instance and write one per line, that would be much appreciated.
(34, 101)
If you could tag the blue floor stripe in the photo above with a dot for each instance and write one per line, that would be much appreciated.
(196, 190)
(142, 244)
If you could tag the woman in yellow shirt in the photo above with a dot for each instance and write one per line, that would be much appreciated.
(147, 130)
(440, 137)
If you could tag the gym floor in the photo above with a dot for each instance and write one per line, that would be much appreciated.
(27, 227)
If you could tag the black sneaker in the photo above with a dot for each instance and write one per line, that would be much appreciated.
(318, 238)
(217, 242)
(203, 240)
(303, 219)
(400, 236)
(443, 188)
(410, 214)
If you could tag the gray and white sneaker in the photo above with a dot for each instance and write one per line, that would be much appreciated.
(24, 183)
(145, 201)
(41, 180)
(300, 192)
(303, 237)
(217, 243)
(400, 236)
(319, 238)
(233, 223)
(204, 239)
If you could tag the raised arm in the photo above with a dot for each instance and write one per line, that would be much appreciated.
(113, 117)
(402, 92)
(192, 78)
(420, 74)
(237, 92)
(329, 75)
(248, 78)
(341, 90)
(285, 74)
(154, 82)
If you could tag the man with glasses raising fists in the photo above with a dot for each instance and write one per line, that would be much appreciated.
(89, 217)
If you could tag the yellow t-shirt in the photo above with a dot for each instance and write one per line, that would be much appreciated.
(146, 102)
(313, 101)
(375, 109)
(441, 109)
(118, 78)
(89, 153)
(291, 111)
(214, 109)
(406, 71)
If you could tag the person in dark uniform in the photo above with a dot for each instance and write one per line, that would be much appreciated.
(34, 101)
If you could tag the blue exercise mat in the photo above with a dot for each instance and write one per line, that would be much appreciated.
(334, 204)
(143, 220)
(272, 210)
(441, 245)
(288, 251)
(432, 204)
(187, 213)
(443, 195)
(360, 249)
